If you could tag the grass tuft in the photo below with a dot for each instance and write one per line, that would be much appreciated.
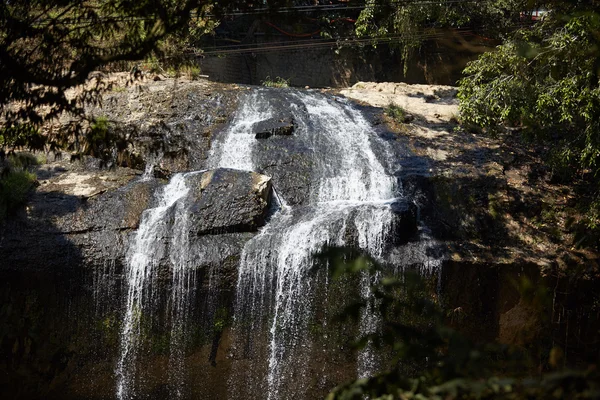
(15, 186)
(276, 83)
(395, 112)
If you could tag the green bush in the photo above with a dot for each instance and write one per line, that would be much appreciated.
(276, 83)
(545, 82)
(98, 141)
(22, 161)
(395, 112)
(25, 135)
(429, 360)
(191, 71)
(14, 189)
(411, 24)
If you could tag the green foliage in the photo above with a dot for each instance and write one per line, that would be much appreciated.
(105, 142)
(181, 49)
(99, 139)
(22, 162)
(430, 361)
(109, 328)
(411, 23)
(20, 136)
(276, 83)
(15, 186)
(191, 71)
(395, 112)
(54, 45)
(587, 230)
(545, 82)
(48, 47)
(221, 320)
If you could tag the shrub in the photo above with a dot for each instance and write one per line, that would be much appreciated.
(191, 71)
(19, 136)
(14, 189)
(276, 83)
(545, 82)
(395, 112)
(429, 360)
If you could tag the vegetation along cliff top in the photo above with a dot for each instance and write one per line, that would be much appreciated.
(342, 199)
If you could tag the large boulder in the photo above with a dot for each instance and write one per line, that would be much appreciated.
(274, 126)
(227, 200)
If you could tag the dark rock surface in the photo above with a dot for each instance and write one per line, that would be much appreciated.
(406, 221)
(62, 257)
(170, 122)
(75, 214)
(227, 200)
(66, 252)
(274, 126)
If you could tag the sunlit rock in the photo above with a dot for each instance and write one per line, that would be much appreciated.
(228, 200)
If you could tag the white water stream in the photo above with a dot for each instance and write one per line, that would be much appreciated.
(144, 255)
(349, 204)
(351, 196)
(236, 150)
(168, 219)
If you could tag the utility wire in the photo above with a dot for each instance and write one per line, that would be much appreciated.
(338, 7)
(250, 47)
(300, 45)
(261, 11)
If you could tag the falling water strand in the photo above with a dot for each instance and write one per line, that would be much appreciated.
(144, 255)
(236, 149)
(104, 284)
(152, 160)
(369, 322)
(350, 199)
(183, 292)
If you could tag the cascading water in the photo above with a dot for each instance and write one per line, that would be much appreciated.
(349, 204)
(236, 151)
(144, 255)
(350, 197)
(168, 219)
(183, 289)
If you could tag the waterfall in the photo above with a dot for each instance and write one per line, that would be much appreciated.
(351, 197)
(168, 219)
(183, 289)
(349, 203)
(236, 151)
(144, 256)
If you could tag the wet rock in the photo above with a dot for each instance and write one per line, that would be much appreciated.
(226, 200)
(274, 126)
(446, 92)
(165, 117)
(406, 222)
(161, 173)
(76, 220)
(520, 325)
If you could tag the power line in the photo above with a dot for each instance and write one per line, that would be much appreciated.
(260, 11)
(338, 7)
(330, 43)
(252, 47)
(313, 42)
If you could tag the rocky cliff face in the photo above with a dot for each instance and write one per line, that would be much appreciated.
(64, 257)
(64, 254)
